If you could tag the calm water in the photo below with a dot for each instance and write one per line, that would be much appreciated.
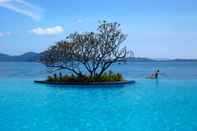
(167, 104)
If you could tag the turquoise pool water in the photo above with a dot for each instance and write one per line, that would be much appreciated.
(167, 104)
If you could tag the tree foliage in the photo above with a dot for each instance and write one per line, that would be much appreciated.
(93, 51)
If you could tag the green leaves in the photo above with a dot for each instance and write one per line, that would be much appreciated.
(92, 52)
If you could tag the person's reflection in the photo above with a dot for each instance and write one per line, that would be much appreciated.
(157, 82)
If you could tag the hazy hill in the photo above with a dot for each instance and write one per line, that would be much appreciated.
(29, 56)
(32, 56)
(139, 59)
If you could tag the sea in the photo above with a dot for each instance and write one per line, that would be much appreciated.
(166, 104)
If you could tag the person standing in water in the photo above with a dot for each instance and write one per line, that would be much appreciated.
(155, 75)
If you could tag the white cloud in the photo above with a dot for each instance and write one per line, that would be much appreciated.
(2, 34)
(22, 7)
(48, 31)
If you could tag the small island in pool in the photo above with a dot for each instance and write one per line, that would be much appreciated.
(88, 56)
(106, 78)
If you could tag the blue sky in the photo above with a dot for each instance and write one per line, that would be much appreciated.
(155, 28)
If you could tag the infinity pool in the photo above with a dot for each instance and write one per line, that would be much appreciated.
(167, 104)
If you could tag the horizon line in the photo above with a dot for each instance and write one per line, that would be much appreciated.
(151, 58)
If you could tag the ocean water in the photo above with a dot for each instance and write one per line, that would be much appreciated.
(166, 104)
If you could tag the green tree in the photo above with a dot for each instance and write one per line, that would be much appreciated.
(93, 51)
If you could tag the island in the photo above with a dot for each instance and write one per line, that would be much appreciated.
(87, 56)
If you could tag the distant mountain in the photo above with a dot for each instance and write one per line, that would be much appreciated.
(185, 60)
(162, 59)
(29, 56)
(144, 59)
(139, 59)
(3, 57)
(33, 57)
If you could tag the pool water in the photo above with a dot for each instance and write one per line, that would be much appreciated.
(166, 104)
